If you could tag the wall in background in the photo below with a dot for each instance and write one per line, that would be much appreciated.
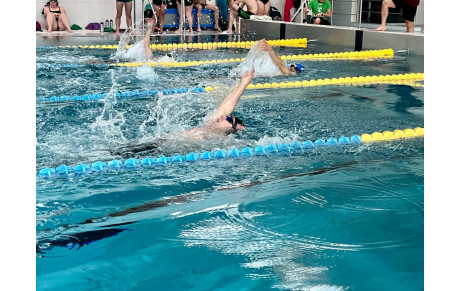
(82, 12)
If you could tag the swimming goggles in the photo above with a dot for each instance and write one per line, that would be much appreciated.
(234, 121)
(295, 68)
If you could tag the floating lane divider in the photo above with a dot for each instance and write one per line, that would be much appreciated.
(122, 95)
(294, 42)
(400, 79)
(65, 171)
(361, 55)
(371, 54)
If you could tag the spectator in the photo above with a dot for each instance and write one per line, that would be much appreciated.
(160, 6)
(236, 9)
(200, 5)
(128, 7)
(409, 10)
(263, 7)
(188, 13)
(322, 11)
(55, 17)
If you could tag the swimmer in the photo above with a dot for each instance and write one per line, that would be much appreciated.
(295, 68)
(220, 123)
(147, 48)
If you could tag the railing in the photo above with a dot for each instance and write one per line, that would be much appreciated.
(354, 13)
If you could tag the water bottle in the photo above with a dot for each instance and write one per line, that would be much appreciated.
(111, 23)
(102, 26)
(106, 23)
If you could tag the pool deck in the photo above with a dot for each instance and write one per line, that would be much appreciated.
(355, 38)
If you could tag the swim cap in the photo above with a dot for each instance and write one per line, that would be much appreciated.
(148, 13)
(300, 67)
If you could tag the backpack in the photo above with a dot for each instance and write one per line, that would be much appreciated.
(274, 13)
(93, 26)
(38, 27)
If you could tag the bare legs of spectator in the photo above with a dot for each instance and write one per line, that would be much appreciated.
(51, 23)
(386, 5)
(160, 12)
(188, 14)
(128, 8)
(216, 16)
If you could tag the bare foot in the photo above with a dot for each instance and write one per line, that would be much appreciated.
(191, 31)
(69, 30)
(217, 28)
(229, 31)
(178, 31)
(198, 29)
(381, 28)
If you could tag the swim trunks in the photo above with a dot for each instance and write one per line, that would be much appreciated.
(323, 21)
(244, 14)
(187, 2)
(161, 2)
(408, 11)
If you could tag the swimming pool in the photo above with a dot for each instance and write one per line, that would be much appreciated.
(349, 216)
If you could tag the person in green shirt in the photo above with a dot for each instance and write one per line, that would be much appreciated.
(322, 11)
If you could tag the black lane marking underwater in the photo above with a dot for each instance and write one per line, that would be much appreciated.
(78, 238)
(87, 237)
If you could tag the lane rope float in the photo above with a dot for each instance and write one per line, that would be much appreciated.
(410, 79)
(293, 42)
(65, 171)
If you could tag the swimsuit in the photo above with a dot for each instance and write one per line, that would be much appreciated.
(244, 14)
(160, 2)
(408, 11)
(264, 1)
(124, 1)
(187, 2)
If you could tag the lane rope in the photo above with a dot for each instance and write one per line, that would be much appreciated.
(293, 42)
(410, 79)
(65, 171)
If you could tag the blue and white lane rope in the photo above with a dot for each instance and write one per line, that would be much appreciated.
(65, 171)
(124, 94)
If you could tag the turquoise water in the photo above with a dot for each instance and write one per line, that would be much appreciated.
(333, 218)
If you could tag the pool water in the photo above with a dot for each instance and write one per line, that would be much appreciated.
(347, 217)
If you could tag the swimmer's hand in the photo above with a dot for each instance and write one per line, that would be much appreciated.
(247, 77)
(263, 45)
(149, 22)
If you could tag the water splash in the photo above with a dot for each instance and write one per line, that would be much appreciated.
(137, 34)
(260, 61)
(110, 121)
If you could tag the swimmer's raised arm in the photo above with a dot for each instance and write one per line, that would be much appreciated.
(148, 50)
(229, 103)
(263, 45)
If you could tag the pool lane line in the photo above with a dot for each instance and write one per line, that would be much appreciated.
(293, 42)
(65, 171)
(361, 55)
(409, 79)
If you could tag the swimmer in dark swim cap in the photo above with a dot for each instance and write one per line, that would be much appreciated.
(221, 122)
(295, 68)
